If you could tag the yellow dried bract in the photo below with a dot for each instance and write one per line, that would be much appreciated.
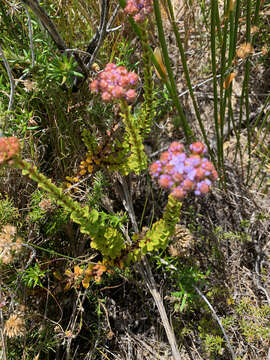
(95, 67)
(82, 172)
(14, 326)
(254, 29)
(85, 167)
(229, 78)
(264, 49)
(158, 56)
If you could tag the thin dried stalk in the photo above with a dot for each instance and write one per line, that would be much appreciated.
(146, 272)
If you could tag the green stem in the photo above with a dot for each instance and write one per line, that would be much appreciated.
(62, 199)
(52, 252)
(169, 84)
(223, 94)
(187, 130)
(149, 103)
(186, 73)
(214, 71)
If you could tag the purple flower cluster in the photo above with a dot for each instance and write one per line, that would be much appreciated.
(183, 174)
(139, 9)
(115, 82)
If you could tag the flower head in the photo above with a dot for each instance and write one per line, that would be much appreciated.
(15, 326)
(183, 173)
(197, 148)
(9, 147)
(10, 244)
(139, 9)
(115, 82)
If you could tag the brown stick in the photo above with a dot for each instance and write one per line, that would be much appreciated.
(51, 28)
(146, 272)
(151, 284)
(46, 22)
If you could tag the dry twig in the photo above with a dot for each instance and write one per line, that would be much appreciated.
(11, 81)
(51, 28)
(217, 320)
(146, 272)
(30, 33)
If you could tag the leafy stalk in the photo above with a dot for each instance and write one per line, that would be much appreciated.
(101, 227)
(157, 237)
(137, 161)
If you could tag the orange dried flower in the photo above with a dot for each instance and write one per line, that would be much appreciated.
(73, 278)
(46, 205)
(15, 326)
(9, 244)
(244, 50)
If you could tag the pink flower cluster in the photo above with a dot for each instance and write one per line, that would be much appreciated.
(139, 9)
(9, 147)
(115, 82)
(183, 174)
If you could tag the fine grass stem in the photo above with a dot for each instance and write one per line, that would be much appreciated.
(161, 36)
(188, 80)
